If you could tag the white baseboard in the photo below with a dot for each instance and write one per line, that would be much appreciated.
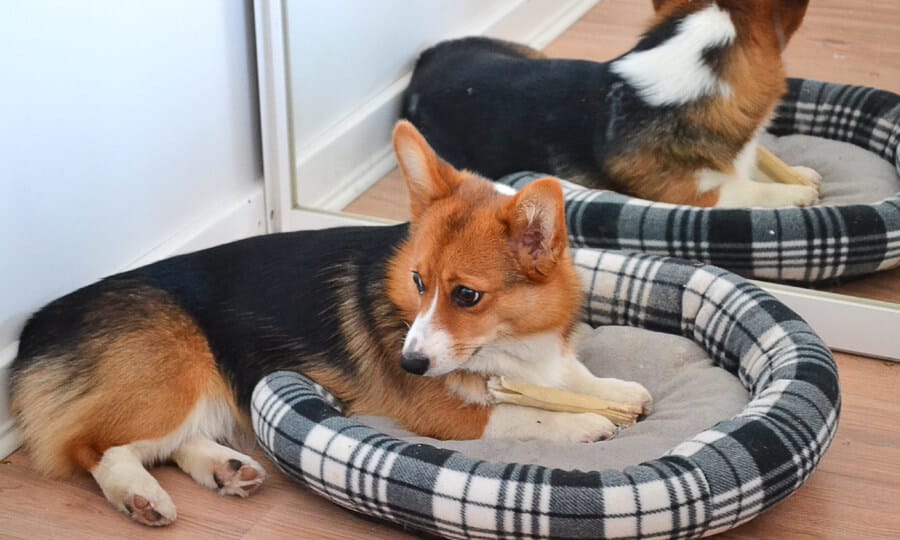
(244, 216)
(356, 152)
(854, 325)
(9, 435)
(241, 218)
(10, 440)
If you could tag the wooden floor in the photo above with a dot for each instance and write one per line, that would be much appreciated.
(855, 493)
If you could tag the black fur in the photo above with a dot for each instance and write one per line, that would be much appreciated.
(486, 106)
(264, 303)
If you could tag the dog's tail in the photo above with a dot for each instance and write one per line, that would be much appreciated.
(114, 363)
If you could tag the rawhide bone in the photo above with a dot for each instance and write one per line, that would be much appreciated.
(777, 170)
(553, 399)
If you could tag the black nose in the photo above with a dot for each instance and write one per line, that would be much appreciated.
(415, 363)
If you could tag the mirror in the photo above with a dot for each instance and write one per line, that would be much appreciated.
(331, 77)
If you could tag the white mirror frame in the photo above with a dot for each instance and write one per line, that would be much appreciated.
(846, 323)
(281, 211)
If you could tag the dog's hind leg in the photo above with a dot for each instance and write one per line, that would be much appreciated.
(219, 467)
(136, 383)
(739, 192)
(126, 484)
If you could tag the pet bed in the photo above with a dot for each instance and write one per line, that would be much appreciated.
(850, 134)
(704, 483)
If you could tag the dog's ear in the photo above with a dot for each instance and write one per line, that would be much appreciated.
(788, 15)
(666, 4)
(537, 227)
(428, 177)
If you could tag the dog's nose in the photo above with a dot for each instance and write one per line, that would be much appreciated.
(415, 363)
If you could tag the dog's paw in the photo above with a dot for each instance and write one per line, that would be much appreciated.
(810, 176)
(153, 509)
(628, 392)
(580, 428)
(800, 195)
(528, 423)
(239, 477)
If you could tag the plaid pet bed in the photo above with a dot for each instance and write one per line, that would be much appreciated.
(796, 244)
(717, 480)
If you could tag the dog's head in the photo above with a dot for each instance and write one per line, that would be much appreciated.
(775, 20)
(483, 265)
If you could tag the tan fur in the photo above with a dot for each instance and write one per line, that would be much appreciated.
(654, 176)
(664, 166)
(428, 406)
(143, 384)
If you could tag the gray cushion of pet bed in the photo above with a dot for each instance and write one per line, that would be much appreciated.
(690, 394)
(849, 134)
(707, 483)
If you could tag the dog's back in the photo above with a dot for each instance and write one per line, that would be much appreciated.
(490, 106)
(673, 119)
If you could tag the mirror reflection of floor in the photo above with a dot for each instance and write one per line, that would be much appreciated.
(848, 41)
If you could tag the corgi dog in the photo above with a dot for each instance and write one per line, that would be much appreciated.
(405, 321)
(675, 119)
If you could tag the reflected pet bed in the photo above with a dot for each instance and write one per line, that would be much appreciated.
(762, 411)
(849, 134)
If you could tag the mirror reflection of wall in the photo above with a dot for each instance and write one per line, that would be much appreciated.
(346, 75)
(344, 103)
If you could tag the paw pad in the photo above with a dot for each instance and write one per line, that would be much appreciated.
(234, 477)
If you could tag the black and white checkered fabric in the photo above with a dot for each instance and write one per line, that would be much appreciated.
(796, 244)
(712, 482)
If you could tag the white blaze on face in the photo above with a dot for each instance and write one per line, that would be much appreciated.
(674, 72)
(426, 337)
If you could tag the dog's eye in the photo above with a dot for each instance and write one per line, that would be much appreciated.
(465, 297)
(417, 279)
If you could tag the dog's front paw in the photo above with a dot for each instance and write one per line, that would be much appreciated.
(581, 427)
(810, 176)
(800, 195)
(627, 392)
(528, 423)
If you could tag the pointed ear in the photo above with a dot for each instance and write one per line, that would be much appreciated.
(660, 4)
(537, 228)
(788, 17)
(428, 177)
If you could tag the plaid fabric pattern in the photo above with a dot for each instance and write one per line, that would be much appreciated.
(717, 480)
(796, 244)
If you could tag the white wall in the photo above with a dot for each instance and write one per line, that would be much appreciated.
(340, 55)
(343, 52)
(125, 126)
